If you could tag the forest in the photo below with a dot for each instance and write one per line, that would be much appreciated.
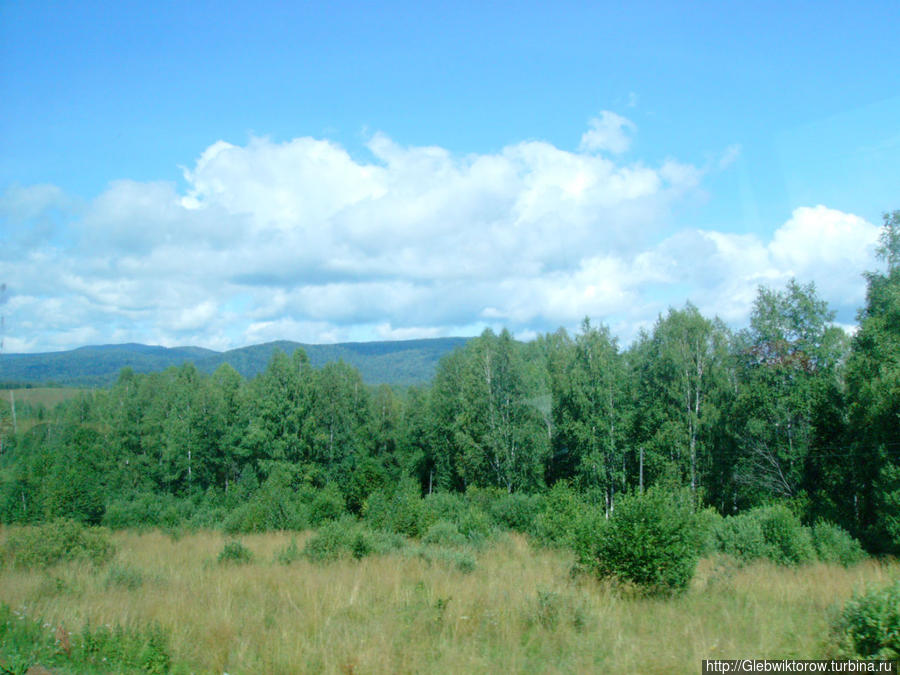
(789, 410)
(558, 505)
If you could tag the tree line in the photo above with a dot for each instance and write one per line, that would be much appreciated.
(788, 409)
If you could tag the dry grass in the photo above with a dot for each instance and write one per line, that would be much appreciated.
(519, 611)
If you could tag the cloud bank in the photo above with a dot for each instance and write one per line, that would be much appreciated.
(300, 240)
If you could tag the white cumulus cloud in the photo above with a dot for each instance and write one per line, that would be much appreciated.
(300, 240)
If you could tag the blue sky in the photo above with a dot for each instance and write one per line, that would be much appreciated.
(226, 173)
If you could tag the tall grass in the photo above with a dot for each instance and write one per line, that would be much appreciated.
(518, 610)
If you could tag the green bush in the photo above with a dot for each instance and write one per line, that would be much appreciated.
(123, 576)
(555, 524)
(399, 510)
(26, 642)
(462, 561)
(327, 505)
(772, 532)
(869, 625)
(708, 521)
(448, 506)
(652, 541)
(588, 529)
(289, 553)
(790, 543)
(235, 552)
(741, 536)
(476, 526)
(444, 533)
(265, 513)
(347, 538)
(146, 509)
(833, 544)
(55, 542)
(516, 512)
(145, 650)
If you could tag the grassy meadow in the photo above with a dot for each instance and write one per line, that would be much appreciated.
(519, 610)
(48, 397)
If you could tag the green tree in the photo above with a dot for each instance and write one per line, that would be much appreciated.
(873, 378)
(591, 410)
(786, 357)
(503, 433)
(681, 369)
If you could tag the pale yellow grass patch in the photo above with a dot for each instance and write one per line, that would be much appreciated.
(519, 611)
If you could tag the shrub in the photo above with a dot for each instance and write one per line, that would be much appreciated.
(869, 625)
(708, 522)
(741, 536)
(790, 543)
(447, 506)
(516, 512)
(463, 561)
(476, 526)
(555, 525)
(444, 533)
(399, 510)
(772, 532)
(146, 509)
(25, 642)
(347, 538)
(123, 576)
(235, 552)
(59, 541)
(833, 544)
(586, 533)
(652, 541)
(289, 553)
(327, 505)
(264, 513)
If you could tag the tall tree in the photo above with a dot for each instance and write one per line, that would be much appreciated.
(591, 410)
(681, 369)
(488, 425)
(786, 356)
(874, 391)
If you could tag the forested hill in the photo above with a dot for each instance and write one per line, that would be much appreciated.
(400, 362)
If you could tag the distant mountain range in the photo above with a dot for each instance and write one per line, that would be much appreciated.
(401, 362)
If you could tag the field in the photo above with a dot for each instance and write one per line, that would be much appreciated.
(519, 610)
(48, 397)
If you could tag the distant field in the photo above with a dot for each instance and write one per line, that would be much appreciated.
(46, 396)
(518, 611)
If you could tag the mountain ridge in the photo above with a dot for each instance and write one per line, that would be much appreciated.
(393, 362)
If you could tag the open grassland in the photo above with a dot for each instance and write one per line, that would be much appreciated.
(48, 397)
(519, 610)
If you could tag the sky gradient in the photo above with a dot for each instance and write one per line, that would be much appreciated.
(222, 174)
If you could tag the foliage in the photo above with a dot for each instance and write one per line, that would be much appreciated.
(833, 544)
(461, 560)
(235, 552)
(347, 538)
(28, 646)
(444, 533)
(651, 540)
(289, 553)
(398, 510)
(327, 505)
(775, 532)
(55, 542)
(555, 524)
(741, 536)
(869, 625)
(788, 541)
(787, 410)
(125, 577)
